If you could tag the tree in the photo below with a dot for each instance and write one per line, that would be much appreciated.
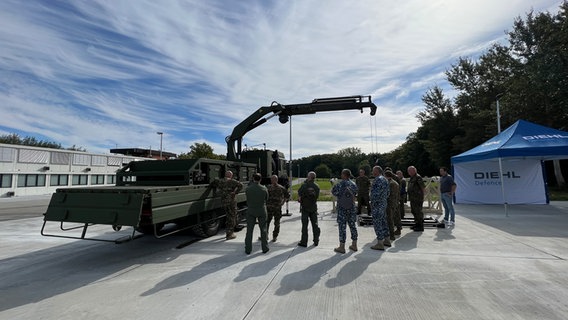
(322, 171)
(14, 138)
(200, 150)
(439, 126)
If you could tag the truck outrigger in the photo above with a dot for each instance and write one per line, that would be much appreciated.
(150, 194)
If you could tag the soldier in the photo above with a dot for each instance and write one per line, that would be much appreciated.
(379, 197)
(346, 191)
(393, 215)
(257, 195)
(416, 196)
(277, 195)
(403, 196)
(308, 195)
(229, 188)
(363, 183)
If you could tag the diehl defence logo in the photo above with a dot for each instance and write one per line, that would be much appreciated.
(491, 178)
(544, 136)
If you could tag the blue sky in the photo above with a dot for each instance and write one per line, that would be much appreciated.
(105, 74)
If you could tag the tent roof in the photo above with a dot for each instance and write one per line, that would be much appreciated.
(521, 140)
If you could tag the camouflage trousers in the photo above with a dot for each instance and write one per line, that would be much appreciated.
(393, 218)
(276, 213)
(347, 218)
(230, 210)
(380, 224)
(416, 209)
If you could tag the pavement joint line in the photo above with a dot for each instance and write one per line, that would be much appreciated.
(269, 284)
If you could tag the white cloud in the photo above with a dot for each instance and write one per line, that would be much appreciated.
(99, 74)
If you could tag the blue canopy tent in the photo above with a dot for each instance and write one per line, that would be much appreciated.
(508, 168)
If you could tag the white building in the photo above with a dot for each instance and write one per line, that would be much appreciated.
(28, 170)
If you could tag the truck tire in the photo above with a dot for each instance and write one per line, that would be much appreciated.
(207, 229)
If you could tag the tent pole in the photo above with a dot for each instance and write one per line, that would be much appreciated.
(503, 187)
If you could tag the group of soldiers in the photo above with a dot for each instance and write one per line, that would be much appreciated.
(384, 197)
(264, 205)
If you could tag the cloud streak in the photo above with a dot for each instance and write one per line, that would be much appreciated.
(101, 74)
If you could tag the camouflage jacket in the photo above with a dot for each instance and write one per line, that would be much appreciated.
(415, 188)
(363, 184)
(394, 196)
(226, 187)
(277, 195)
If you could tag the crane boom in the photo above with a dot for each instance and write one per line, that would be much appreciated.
(284, 112)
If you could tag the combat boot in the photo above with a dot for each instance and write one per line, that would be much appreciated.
(341, 248)
(230, 235)
(353, 245)
(379, 245)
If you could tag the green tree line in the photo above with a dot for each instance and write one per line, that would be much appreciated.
(14, 138)
(527, 76)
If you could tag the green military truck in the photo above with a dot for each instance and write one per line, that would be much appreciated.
(151, 194)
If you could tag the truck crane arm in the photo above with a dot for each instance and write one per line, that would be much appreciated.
(284, 112)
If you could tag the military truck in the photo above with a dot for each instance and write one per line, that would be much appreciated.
(151, 194)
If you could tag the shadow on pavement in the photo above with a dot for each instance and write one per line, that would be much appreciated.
(355, 268)
(42, 274)
(522, 220)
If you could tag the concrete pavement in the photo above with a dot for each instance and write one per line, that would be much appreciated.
(488, 266)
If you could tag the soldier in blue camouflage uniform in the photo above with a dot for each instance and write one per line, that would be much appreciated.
(346, 192)
(379, 196)
(277, 195)
(228, 189)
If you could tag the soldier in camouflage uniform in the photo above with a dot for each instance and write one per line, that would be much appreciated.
(308, 195)
(393, 214)
(363, 183)
(277, 195)
(416, 196)
(228, 189)
(403, 196)
(346, 191)
(379, 197)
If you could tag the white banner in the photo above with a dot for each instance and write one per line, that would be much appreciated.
(479, 182)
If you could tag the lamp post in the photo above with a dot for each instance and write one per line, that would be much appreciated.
(498, 113)
(500, 161)
(161, 136)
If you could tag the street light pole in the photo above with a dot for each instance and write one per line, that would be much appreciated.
(500, 160)
(161, 136)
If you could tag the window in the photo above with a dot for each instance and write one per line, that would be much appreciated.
(99, 161)
(60, 158)
(59, 180)
(31, 180)
(7, 154)
(111, 179)
(81, 159)
(114, 161)
(79, 179)
(33, 156)
(5, 180)
(98, 179)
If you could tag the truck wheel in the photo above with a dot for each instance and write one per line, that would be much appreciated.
(208, 229)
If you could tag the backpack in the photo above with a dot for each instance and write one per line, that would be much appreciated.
(346, 200)
(309, 198)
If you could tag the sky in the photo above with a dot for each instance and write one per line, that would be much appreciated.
(104, 74)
